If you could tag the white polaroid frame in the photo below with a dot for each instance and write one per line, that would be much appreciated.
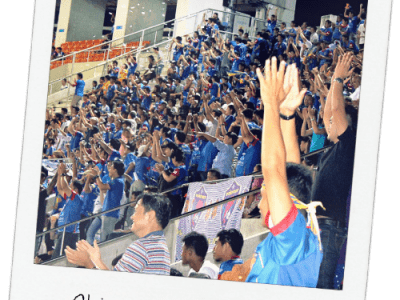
(45, 282)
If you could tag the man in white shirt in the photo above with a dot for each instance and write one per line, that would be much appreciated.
(314, 38)
(355, 96)
(193, 254)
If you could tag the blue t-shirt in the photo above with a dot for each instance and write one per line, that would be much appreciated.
(198, 146)
(180, 173)
(71, 213)
(132, 68)
(336, 35)
(214, 89)
(74, 143)
(88, 200)
(271, 26)
(188, 154)
(228, 121)
(129, 158)
(142, 167)
(113, 197)
(353, 22)
(328, 53)
(227, 266)
(317, 141)
(289, 255)
(152, 174)
(351, 45)
(111, 91)
(207, 156)
(146, 102)
(326, 34)
(80, 86)
(279, 48)
(250, 157)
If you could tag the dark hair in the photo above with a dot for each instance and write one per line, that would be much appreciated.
(256, 132)
(78, 185)
(232, 136)
(233, 237)
(175, 272)
(116, 260)
(250, 105)
(352, 112)
(202, 127)
(248, 113)
(216, 173)
(119, 166)
(115, 143)
(160, 204)
(80, 75)
(300, 181)
(197, 242)
(178, 155)
(181, 136)
(259, 113)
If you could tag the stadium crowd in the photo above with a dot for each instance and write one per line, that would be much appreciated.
(226, 108)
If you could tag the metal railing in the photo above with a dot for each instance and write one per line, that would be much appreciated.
(119, 42)
(100, 70)
(129, 203)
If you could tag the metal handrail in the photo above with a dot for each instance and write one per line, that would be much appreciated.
(130, 34)
(128, 204)
(154, 26)
(254, 174)
(164, 23)
(116, 58)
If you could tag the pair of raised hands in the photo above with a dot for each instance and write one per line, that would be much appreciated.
(280, 87)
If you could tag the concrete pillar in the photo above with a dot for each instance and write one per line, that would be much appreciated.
(187, 7)
(80, 20)
(135, 15)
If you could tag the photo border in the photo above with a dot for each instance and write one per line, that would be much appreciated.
(123, 285)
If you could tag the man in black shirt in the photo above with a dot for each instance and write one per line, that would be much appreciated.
(335, 172)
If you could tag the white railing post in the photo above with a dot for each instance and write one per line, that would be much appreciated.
(155, 38)
(73, 63)
(62, 241)
(107, 62)
(252, 26)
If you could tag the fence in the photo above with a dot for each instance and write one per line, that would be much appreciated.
(255, 175)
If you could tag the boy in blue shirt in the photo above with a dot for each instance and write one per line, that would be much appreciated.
(326, 33)
(115, 190)
(70, 213)
(79, 85)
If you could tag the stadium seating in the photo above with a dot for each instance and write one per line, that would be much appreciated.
(93, 55)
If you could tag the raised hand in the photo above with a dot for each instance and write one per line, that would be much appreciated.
(271, 82)
(343, 66)
(294, 97)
